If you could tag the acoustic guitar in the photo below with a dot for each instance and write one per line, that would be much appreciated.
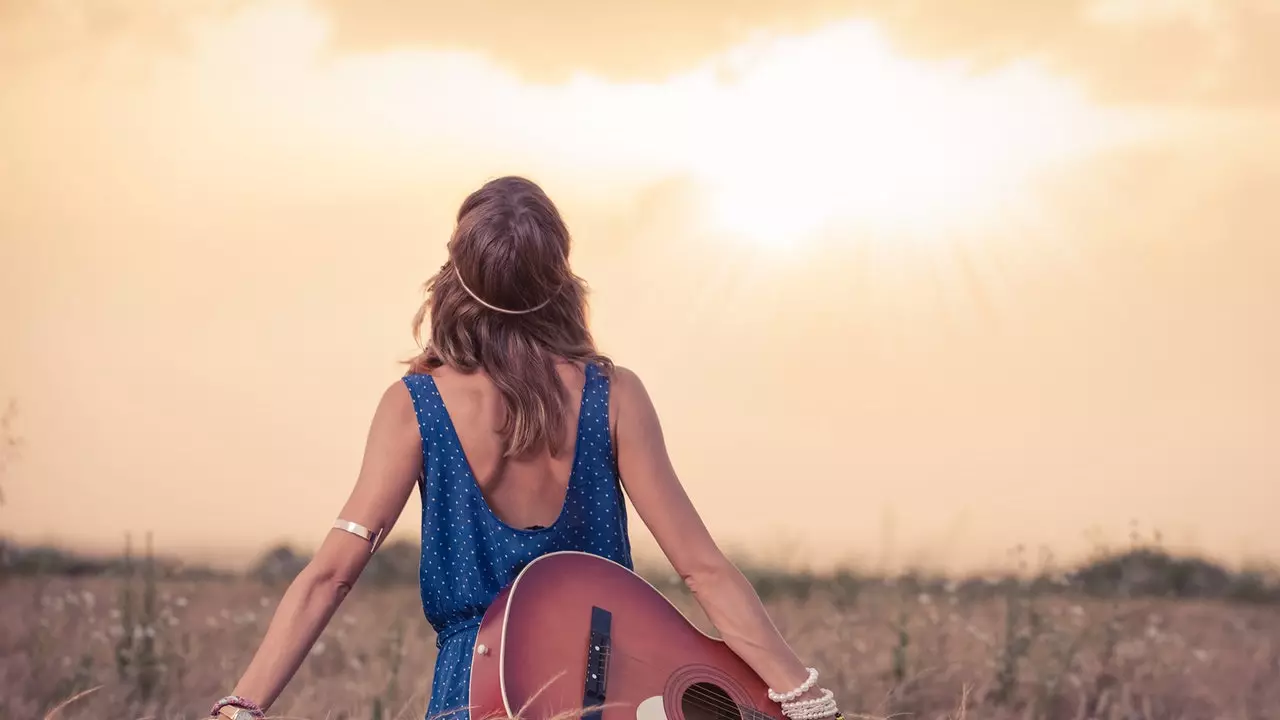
(579, 635)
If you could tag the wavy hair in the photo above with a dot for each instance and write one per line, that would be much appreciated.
(508, 304)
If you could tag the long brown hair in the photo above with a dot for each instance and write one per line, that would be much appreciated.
(509, 255)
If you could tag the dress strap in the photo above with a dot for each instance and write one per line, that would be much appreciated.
(595, 397)
(593, 428)
(426, 402)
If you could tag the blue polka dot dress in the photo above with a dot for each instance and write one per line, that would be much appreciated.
(469, 555)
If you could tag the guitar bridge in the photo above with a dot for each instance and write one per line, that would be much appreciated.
(599, 645)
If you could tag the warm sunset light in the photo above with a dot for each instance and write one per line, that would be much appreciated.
(907, 149)
(961, 319)
(786, 136)
(1014, 262)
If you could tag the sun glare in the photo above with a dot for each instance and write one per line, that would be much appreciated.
(788, 138)
(834, 130)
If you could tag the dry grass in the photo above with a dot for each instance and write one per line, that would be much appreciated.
(165, 650)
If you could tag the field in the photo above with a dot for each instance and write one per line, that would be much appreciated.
(164, 649)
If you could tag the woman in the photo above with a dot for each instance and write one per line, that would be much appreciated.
(521, 438)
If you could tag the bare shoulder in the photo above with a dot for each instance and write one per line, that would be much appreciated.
(397, 395)
(629, 396)
(627, 384)
(632, 411)
(395, 407)
(624, 378)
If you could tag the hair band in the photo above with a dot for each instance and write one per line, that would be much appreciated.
(457, 273)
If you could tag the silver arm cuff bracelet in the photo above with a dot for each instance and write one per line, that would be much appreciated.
(359, 531)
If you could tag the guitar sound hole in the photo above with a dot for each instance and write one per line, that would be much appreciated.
(704, 701)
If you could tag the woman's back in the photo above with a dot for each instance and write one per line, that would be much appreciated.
(526, 491)
(485, 515)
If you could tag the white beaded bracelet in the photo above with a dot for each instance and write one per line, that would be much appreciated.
(804, 688)
(816, 714)
(820, 714)
(818, 708)
(825, 697)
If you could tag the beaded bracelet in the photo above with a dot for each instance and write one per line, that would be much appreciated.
(819, 708)
(816, 714)
(804, 688)
(253, 709)
(823, 698)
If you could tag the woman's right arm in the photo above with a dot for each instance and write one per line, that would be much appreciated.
(729, 600)
(388, 474)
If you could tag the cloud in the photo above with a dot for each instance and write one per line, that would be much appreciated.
(210, 207)
(38, 31)
(551, 41)
(1128, 51)
(832, 118)
(1168, 52)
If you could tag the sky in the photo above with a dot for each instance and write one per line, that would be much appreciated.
(912, 282)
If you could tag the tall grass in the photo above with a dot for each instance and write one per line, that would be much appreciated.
(142, 641)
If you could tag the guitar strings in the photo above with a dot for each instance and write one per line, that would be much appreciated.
(718, 706)
(710, 700)
(717, 702)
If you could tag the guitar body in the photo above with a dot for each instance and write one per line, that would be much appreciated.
(570, 616)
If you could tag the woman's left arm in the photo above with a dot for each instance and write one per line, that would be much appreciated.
(390, 469)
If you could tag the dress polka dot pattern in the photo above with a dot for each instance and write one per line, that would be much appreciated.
(469, 555)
